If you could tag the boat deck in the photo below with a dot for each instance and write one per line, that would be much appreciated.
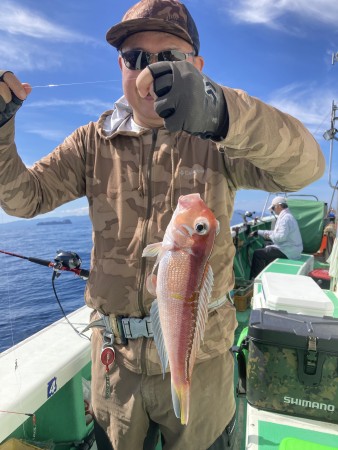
(29, 380)
(267, 431)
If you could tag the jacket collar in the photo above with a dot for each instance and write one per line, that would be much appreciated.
(119, 121)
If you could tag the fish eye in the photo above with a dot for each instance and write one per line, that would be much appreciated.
(201, 227)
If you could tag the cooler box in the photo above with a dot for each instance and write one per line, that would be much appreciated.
(293, 364)
(300, 444)
(295, 294)
(321, 277)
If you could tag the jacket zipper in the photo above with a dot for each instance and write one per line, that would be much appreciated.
(144, 241)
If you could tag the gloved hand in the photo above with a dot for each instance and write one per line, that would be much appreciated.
(12, 95)
(253, 234)
(188, 100)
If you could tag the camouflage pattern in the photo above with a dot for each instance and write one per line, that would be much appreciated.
(133, 181)
(273, 384)
(168, 16)
(131, 204)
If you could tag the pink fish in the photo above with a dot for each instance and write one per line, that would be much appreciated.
(183, 286)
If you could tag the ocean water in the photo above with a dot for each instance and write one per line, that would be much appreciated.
(27, 300)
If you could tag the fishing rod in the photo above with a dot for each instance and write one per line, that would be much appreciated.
(63, 261)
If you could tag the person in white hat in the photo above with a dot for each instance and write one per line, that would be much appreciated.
(286, 238)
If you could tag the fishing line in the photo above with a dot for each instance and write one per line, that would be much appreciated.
(81, 335)
(64, 261)
(321, 124)
(72, 84)
(32, 415)
(16, 412)
(9, 303)
(76, 83)
(17, 367)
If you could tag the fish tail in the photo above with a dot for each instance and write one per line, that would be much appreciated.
(181, 401)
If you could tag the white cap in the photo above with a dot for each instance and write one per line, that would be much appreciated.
(277, 201)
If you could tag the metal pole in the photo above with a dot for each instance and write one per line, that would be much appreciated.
(334, 57)
(333, 119)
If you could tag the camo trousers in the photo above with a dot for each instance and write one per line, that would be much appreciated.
(140, 404)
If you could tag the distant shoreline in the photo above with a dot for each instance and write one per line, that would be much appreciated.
(56, 222)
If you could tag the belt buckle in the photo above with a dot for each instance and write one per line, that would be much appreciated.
(117, 327)
(134, 327)
(125, 328)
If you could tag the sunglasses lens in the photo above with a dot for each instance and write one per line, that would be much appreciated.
(135, 59)
(139, 59)
(171, 55)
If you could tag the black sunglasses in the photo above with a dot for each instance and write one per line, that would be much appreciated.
(139, 59)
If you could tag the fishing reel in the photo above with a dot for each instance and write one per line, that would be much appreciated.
(246, 215)
(63, 261)
(71, 260)
(68, 261)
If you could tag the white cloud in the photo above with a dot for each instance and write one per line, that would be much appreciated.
(56, 132)
(17, 20)
(82, 211)
(90, 107)
(47, 133)
(271, 12)
(17, 56)
(74, 208)
(310, 104)
(29, 41)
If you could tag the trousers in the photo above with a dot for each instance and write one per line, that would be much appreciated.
(262, 257)
(140, 406)
(154, 438)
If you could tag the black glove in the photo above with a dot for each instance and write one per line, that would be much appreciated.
(188, 100)
(8, 110)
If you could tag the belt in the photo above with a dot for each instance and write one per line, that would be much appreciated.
(119, 329)
(123, 328)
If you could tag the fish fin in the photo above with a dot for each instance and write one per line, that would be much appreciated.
(207, 283)
(176, 401)
(158, 336)
(202, 312)
(181, 400)
(151, 283)
(152, 250)
(158, 249)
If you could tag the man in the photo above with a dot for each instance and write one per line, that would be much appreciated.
(174, 132)
(286, 238)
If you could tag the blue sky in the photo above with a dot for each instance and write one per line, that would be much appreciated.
(277, 50)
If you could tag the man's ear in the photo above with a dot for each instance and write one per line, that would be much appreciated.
(199, 62)
(120, 61)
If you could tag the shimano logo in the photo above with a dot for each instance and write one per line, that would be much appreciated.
(309, 404)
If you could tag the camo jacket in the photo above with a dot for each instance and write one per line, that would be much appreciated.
(133, 180)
